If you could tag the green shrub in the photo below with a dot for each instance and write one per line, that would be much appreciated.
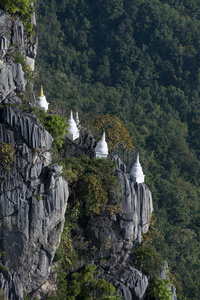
(160, 289)
(24, 8)
(2, 267)
(38, 197)
(148, 260)
(18, 58)
(93, 182)
(66, 253)
(54, 124)
(84, 286)
(6, 156)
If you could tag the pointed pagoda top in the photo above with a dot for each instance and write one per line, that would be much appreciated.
(102, 146)
(41, 92)
(42, 102)
(103, 139)
(72, 125)
(71, 116)
(137, 174)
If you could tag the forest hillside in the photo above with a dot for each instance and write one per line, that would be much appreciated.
(140, 61)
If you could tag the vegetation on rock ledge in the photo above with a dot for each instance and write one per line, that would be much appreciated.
(24, 8)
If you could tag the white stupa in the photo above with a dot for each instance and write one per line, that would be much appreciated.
(137, 174)
(42, 102)
(73, 132)
(77, 120)
(101, 149)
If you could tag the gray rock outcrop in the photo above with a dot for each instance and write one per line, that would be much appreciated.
(33, 198)
(15, 45)
(84, 145)
(113, 255)
(136, 203)
(164, 275)
(114, 237)
(33, 195)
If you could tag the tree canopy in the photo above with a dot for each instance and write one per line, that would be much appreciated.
(137, 60)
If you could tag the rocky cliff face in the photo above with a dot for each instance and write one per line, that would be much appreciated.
(136, 203)
(33, 195)
(116, 236)
(14, 45)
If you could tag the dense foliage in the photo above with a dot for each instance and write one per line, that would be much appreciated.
(116, 134)
(160, 290)
(6, 156)
(54, 124)
(93, 183)
(148, 260)
(139, 60)
(84, 286)
(24, 8)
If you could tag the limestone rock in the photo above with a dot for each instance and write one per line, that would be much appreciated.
(130, 283)
(14, 42)
(27, 128)
(7, 84)
(164, 275)
(112, 253)
(136, 203)
(85, 144)
(33, 199)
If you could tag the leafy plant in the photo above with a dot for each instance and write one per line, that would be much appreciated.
(160, 289)
(19, 58)
(147, 259)
(84, 286)
(2, 267)
(54, 124)
(93, 182)
(6, 156)
(115, 130)
(22, 7)
(38, 197)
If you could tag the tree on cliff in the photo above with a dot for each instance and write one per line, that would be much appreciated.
(116, 133)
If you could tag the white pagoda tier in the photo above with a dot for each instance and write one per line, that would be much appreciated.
(137, 174)
(42, 102)
(73, 132)
(101, 149)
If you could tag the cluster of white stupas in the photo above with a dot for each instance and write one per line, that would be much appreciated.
(72, 129)
(101, 149)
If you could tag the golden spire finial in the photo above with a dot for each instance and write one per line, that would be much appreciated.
(41, 92)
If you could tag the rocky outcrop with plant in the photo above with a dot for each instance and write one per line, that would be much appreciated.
(136, 203)
(116, 235)
(32, 202)
(17, 57)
